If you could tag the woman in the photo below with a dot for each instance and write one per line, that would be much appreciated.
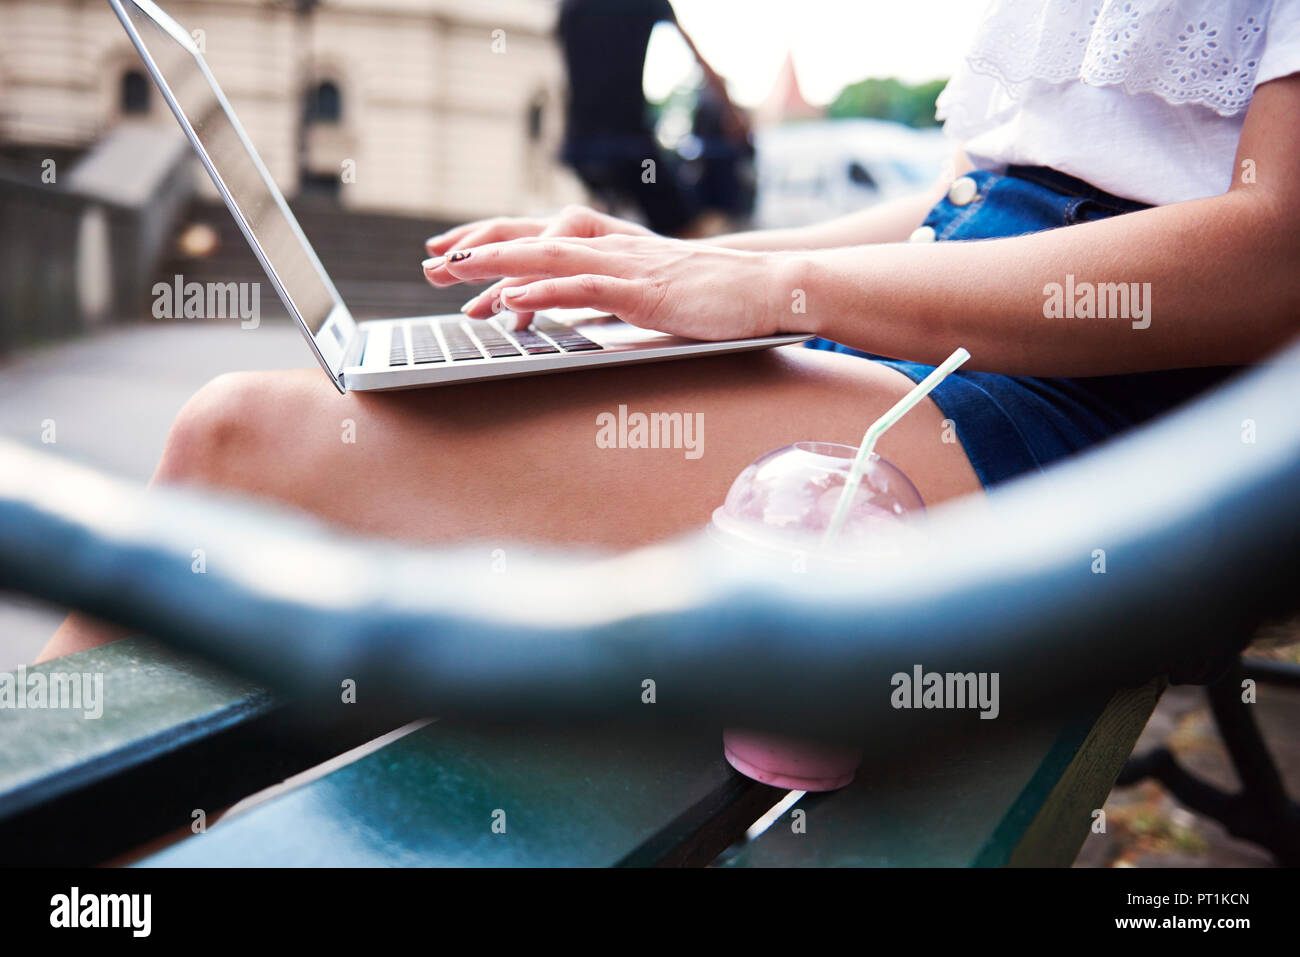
(608, 133)
(1161, 133)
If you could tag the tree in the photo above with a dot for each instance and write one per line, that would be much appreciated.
(888, 99)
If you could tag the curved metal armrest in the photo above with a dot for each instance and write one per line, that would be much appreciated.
(1200, 533)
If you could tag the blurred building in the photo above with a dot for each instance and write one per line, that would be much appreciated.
(381, 120)
(443, 109)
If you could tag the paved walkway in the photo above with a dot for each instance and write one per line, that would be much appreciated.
(112, 397)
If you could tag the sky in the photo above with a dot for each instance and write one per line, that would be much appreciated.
(834, 42)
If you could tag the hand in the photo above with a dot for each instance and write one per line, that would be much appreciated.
(572, 221)
(684, 288)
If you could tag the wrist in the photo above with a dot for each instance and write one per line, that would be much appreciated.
(792, 290)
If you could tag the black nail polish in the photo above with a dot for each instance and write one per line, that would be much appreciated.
(457, 257)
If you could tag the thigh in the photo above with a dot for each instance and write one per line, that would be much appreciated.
(531, 459)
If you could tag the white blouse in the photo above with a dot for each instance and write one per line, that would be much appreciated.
(1142, 98)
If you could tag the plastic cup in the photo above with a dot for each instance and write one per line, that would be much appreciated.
(778, 509)
(796, 764)
(776, 514)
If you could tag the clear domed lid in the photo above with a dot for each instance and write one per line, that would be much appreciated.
(784, 501)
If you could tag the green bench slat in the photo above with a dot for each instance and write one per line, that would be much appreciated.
(175, 735)
(571, 796)
(1049, 830)
(1020, 795)
(154, 702)
(1011, 794)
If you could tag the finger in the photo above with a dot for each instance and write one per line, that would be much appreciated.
(498, 232)
(438, 245)
(438, 274)
(485, 306)
(499, 229)
(581, 224)
(514, 321)
(531, 257)
(488, 302)
(606, 293)
(435, 271)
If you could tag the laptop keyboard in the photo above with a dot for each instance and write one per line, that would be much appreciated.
(544, 337)
(424, 345)
(397, 350)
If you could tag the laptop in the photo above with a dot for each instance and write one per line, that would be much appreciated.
(399, 353)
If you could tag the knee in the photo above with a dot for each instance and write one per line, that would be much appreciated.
(221, 430)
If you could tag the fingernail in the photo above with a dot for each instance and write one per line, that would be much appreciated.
(433, 263)
(513, 292)
(457, 257)
(469, 302)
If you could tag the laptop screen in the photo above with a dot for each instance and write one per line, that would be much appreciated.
(247, 185)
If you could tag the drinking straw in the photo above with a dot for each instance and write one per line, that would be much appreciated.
(877, 428)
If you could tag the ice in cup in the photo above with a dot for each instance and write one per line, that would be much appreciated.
(777, 513)
(779, 508)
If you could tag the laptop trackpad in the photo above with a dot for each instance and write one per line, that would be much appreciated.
(602, 327)
(619, 333)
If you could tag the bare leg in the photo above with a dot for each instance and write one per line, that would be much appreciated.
(517, 460)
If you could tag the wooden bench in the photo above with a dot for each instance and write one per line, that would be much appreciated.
(178, 736)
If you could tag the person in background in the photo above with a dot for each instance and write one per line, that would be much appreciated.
(609, 135)
(725, 177)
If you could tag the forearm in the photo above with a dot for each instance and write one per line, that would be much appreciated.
(1206, 272)
(888, 222)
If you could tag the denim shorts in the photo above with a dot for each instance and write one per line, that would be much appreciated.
(1009, 424)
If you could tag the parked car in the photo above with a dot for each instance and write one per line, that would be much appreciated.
(813, 171)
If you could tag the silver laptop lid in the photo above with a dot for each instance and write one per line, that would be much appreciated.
(201, 108)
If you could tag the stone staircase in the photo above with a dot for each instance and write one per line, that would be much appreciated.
(373, 258)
